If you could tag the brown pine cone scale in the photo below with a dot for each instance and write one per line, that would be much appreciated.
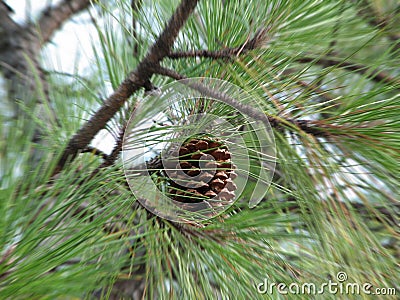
(209, 163)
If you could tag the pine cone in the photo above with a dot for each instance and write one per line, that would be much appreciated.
(207, 176)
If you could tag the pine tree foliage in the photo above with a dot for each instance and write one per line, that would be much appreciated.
(325, 73)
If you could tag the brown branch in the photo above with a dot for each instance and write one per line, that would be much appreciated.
(373, 74)
(170, 73)
(52, 18)
(25, 80)
(260, 37)
(6, 21)
(110, 159)
(135, 6)
(6, 6)
(307, 126)
(317, 128)
(203, 89)
(95, 151)
(163, 45)
(135, 80)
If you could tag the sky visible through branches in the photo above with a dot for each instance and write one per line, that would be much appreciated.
(69, 52)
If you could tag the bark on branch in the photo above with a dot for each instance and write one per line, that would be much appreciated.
(134, 81)
(135, 6)
(307, 126)
(52, 18)
(259, 38)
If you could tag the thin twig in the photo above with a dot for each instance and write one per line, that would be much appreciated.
(307, 126)
(135, 6)
(95, 151)
(230, 53)
(260, 38)
(110, 160)
(7, 7)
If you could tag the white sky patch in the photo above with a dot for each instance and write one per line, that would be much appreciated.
(70, 50)
(104, 141)
(24, 8)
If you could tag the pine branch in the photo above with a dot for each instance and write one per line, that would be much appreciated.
(307, 126)
(135, 6)
(6, 23)
(109, 160)
(52, 18)
(318, 129)
(6, 6)
(258, 40)
(132, 83)
(218, 95)
(393, 218)
(170, 73)
(95, 151)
